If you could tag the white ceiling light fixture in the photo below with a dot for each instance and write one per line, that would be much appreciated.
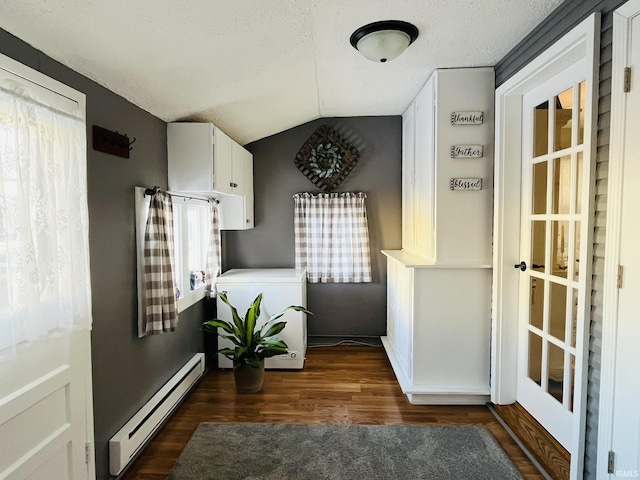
(385, 40)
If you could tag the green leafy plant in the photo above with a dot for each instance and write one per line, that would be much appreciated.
(251, 343)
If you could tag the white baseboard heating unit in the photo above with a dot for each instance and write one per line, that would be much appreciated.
(125, 444)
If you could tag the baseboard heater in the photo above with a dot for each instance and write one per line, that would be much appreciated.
(125, 444)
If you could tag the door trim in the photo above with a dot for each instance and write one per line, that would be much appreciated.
(581, 42)
(621, 36)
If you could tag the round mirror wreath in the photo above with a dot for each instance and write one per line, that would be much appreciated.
(326, 158)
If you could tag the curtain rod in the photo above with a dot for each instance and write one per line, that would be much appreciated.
(154, 190)
(327, 193)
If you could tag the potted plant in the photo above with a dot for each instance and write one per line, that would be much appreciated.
(252, 343)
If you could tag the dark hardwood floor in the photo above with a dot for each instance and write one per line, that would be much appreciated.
(546, 449)
(346, 384)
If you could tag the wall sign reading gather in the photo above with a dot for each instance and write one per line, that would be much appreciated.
(467, 118)
(466, 151)
(462, 184)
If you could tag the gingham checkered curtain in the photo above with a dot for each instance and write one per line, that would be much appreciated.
(161, 314)
(212, 269)
(332, 237)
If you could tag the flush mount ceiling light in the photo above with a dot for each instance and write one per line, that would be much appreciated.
(385, 40)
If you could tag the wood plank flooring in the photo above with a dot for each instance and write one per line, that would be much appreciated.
(546, 449)
(339, 385)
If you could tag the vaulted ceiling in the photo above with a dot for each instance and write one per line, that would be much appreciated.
(258, 67)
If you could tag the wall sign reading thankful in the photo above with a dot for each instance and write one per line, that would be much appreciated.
(466, 151)
(467, 118)
(462, 184)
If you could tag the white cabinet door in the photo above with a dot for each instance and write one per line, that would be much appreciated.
(418, 171)
(223, 149)
(190, 156)
(400, 315)
(239, 163)
(404, 324)
(408, 178)
(236, 212)
(424, 188)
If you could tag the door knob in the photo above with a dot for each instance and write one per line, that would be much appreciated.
(522, 266)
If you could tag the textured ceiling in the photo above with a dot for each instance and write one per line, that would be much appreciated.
(258, 67)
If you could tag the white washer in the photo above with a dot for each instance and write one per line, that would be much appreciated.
(280, 287)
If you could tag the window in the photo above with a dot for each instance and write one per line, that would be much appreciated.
(44, 247)
(332, 237)
(196, 250)
(191, 239)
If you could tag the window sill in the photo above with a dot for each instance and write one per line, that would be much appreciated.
(190, 298)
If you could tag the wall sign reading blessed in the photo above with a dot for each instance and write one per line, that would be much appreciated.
(467, 118)
(465, 184)
(466, 151)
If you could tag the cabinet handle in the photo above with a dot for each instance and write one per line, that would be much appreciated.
(233, 184)
(248, 221)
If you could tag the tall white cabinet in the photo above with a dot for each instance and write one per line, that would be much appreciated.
(203, 160)
(439, 284)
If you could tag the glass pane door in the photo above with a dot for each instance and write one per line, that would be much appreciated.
(552, 220)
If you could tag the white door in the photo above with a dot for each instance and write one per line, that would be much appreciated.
(46, 414)
(626, 409)
(46, 418)
(553, 223)
(621, 356)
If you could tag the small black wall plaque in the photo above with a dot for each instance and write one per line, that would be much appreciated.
(111, 142)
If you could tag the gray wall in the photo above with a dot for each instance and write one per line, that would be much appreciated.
(340, 310)
(127, 371)
(569, 14)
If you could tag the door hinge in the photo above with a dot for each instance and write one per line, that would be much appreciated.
(610, 462)
(88, 451)
(620, 273)
(627, 80)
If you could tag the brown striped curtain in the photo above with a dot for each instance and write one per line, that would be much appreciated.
(161, 314)
(332, 237)
(213, 249)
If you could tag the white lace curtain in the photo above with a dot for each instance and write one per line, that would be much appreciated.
(332, 237)
(44, 250)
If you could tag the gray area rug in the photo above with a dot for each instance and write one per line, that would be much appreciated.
(230, 451)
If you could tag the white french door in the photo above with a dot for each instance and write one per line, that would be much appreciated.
(553, 222)
(545, 149)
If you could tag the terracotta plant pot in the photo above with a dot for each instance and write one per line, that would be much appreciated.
(248, 379)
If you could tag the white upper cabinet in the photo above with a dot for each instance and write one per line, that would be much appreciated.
(236, 211)
(442, 225)
(203, 160)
